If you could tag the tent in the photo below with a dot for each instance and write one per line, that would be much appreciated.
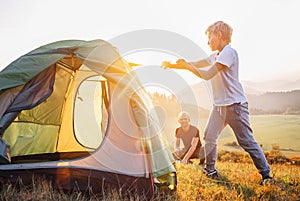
(75, 112)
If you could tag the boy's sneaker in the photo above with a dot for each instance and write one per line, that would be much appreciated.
(213, 174)
(268, 181)
(204, 171)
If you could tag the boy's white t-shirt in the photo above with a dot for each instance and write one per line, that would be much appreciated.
(226, 87)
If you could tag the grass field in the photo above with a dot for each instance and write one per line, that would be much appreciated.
(238, 181)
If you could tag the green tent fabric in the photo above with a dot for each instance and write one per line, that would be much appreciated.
(26, 67)
(40, 86)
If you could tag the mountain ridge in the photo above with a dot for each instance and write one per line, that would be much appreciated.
(261, 96)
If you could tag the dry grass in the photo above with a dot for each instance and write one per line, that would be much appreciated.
(238, 181)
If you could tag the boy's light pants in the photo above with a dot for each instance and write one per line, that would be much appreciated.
(237, 117)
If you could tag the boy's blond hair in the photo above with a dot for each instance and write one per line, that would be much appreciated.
(222, 27)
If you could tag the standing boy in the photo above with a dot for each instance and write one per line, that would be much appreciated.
(230, 104)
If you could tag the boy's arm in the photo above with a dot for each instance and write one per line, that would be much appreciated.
(198, 64)
(210, 73)
(191, 150)
(167, 64)
(201, 64)
(182, 64)
(204, 74)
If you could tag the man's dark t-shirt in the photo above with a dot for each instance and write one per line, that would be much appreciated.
(187, 138)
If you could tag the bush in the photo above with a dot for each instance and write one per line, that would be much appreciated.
(233, 156)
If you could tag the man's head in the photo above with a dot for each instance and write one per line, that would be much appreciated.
(184, 119)
(218, 32)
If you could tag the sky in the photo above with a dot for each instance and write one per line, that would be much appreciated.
(265, 32)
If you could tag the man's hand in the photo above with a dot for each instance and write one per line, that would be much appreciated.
(184, 161)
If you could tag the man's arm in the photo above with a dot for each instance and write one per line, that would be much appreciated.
(177, 144)
(191, 150)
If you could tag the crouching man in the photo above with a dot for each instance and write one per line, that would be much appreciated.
(190, 137)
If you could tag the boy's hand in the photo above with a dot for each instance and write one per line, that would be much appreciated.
(166, 64)
(179, 64)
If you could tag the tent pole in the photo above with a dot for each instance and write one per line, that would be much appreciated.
(148, 164)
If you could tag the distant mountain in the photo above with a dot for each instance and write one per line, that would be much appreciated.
(272, 97)
(251, 87)
(275, 103)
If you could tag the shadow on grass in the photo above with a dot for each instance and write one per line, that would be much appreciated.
(243, 190)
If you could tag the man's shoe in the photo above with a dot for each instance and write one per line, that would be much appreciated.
(268, 181)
